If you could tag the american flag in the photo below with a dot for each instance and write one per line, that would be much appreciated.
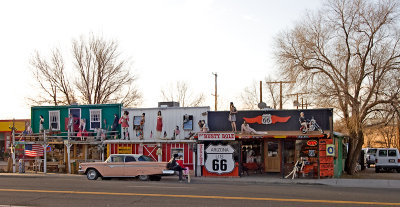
(33, 150)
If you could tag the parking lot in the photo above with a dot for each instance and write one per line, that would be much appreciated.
(369, 173)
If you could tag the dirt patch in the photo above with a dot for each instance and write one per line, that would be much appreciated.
(370, 173)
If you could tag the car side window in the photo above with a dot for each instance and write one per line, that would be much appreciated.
(130, 159)
(382, 153)
(392, 153)
(145, 158)
(117, 159)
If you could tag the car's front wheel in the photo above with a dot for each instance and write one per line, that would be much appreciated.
(143, 177)
(377, 169)
(92, 174)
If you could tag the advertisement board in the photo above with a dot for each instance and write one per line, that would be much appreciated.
(273, 120)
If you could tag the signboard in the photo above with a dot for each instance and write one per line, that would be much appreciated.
(124, 150)
(220, 159)
(200, 154)
(312, 143)
(216, 136)
(274, 120)
(330, 150)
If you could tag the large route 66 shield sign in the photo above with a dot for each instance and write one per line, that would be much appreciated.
(220, 159)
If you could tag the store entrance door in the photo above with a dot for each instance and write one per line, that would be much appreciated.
(272, 156)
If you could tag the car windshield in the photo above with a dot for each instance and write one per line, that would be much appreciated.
(145, 158)
(372, 151)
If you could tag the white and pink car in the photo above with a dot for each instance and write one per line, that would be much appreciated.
(125, 165)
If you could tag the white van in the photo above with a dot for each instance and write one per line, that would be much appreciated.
(387, 159)
(369, 154)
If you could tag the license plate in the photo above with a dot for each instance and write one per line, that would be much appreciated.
(391, 160)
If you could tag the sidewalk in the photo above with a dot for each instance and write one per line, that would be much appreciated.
(357, 183)
(258, 180)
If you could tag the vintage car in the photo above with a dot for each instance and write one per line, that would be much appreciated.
(125, 165)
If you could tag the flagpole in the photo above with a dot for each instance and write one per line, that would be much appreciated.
(13, 146)
(44, 153)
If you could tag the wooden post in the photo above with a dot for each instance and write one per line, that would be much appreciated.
(280, 90)
(260, 91)
(216, 92)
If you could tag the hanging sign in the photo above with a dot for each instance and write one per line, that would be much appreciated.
(216, 136)
(200, 154)
(312, 143)
(330, 150)
(220, 159)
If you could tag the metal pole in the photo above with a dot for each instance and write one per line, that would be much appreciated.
(13, 148)
(44, 153)
(69, 157)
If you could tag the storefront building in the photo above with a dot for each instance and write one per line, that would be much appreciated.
(6, 135)
(164, 131)
(272, 144)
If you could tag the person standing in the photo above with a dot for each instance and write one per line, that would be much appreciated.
(232, 116)
(141, 127)
(70, 125)
(114, 126)
(159, 125)
(124, 121)
(41, 123)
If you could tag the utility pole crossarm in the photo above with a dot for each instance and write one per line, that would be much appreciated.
(280, 89)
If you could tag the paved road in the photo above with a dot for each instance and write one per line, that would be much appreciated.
(67, 190)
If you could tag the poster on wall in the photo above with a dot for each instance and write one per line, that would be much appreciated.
(220, 159)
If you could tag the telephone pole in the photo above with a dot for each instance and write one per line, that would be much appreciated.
(297, 99)
(216, 93)
(280, 90)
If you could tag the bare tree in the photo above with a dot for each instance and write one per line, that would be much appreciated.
(103, 76)
(51, 78)
(250, 96)
(348, 55)
(181, 93)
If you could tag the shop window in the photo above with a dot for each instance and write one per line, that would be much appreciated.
(95, 119)
(54, 117)
(178, 151)
(187, 122)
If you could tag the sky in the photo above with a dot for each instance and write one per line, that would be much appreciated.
(165, 40)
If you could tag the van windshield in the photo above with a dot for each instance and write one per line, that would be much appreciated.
(372, 151)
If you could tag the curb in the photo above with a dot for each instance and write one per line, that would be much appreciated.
(356, 183)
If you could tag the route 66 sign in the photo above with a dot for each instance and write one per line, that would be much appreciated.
(220, 159)
(266, 119)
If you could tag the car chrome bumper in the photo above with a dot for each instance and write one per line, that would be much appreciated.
(168, 172)
(81, 171)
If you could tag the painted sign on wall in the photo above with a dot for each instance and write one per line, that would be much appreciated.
(216, 136)
(219, 159)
